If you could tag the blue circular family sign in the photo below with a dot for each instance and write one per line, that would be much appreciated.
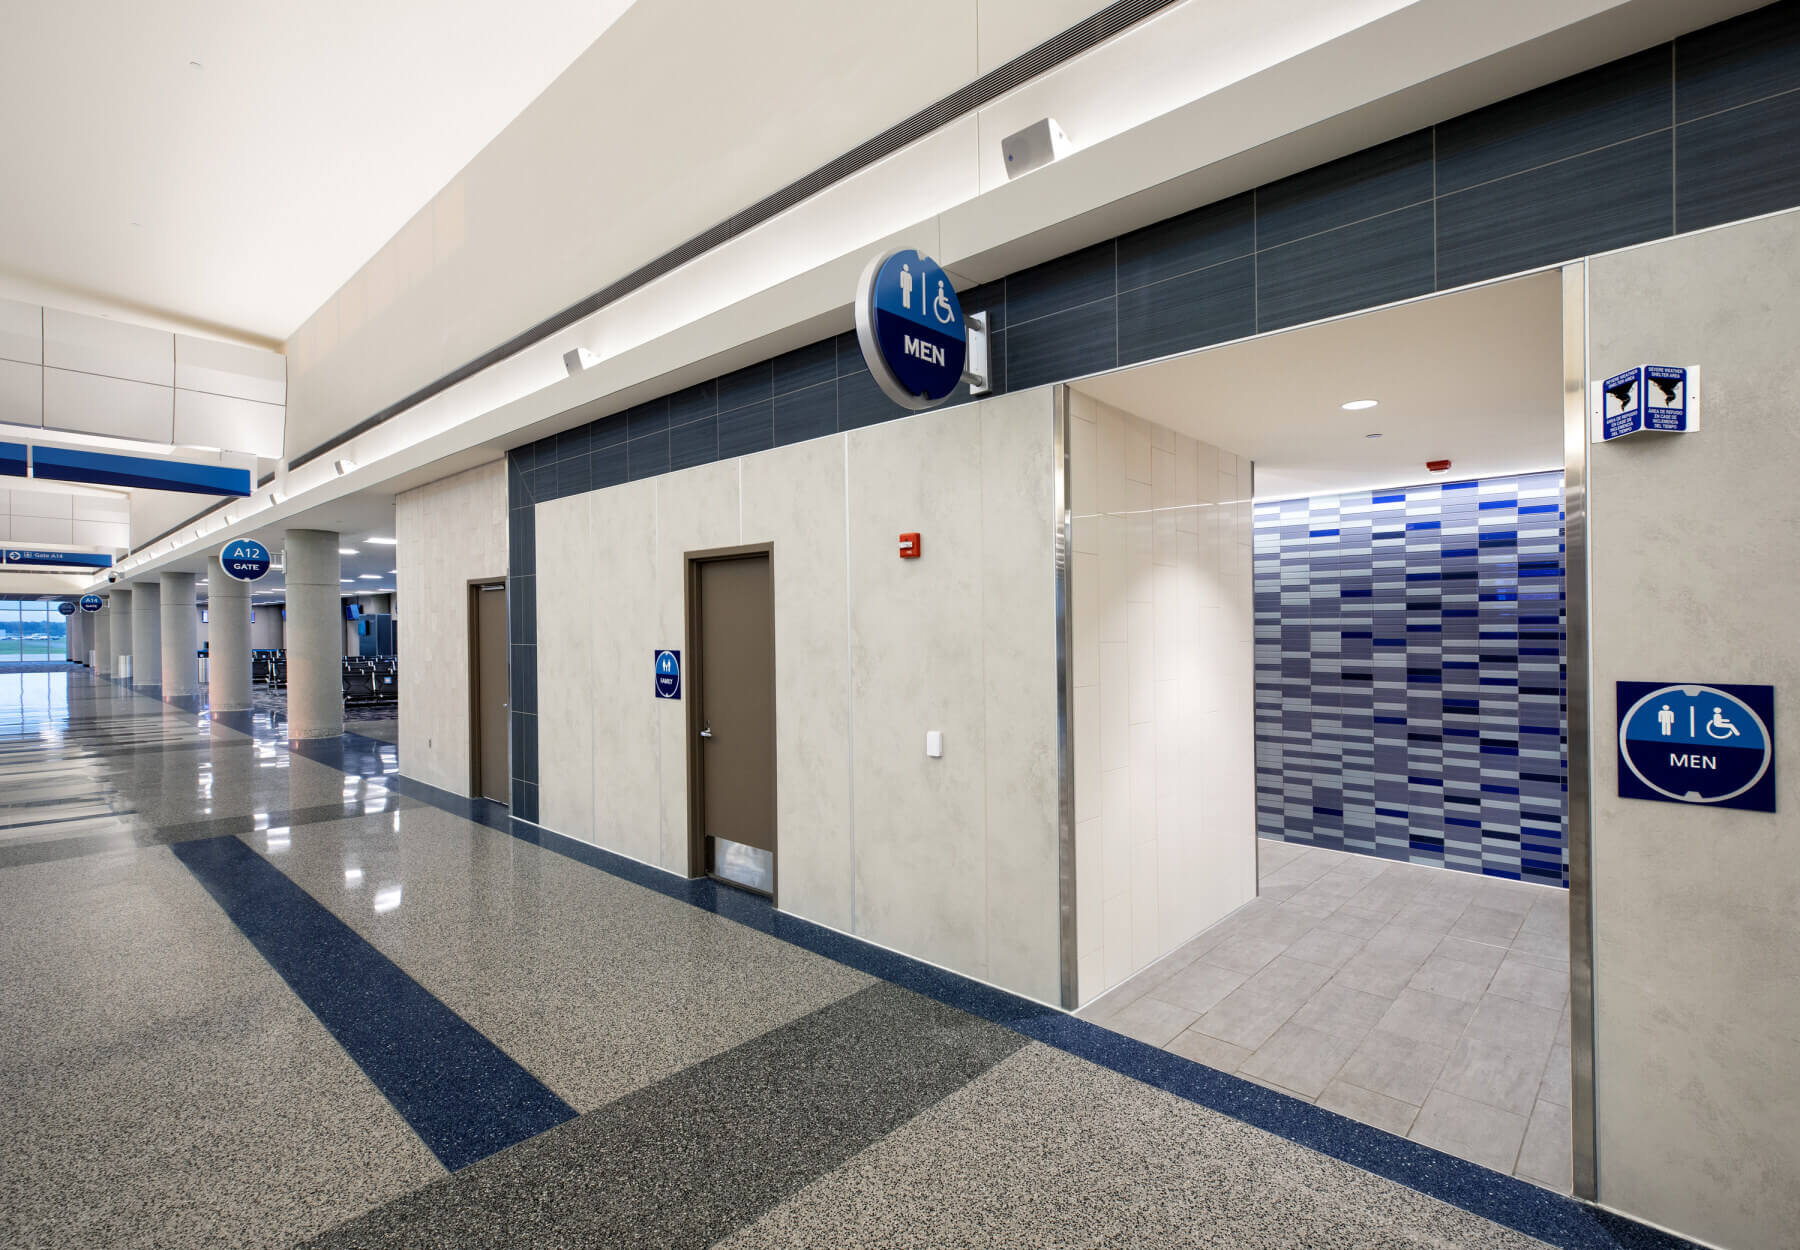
(66, 608)
(92, 603)
(1697, 744)
(244, 559)
(910, 327)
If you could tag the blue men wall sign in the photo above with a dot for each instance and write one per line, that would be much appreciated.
(668, 674)
(910, 327)
(244, 559)
(92, 603)
(1705, 744)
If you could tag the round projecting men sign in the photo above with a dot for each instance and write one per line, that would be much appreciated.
(910, 327)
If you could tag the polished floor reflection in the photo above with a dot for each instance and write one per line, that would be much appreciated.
(262, 996)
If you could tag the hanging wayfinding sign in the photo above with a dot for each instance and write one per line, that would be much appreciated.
(911, 328)
(244, 559)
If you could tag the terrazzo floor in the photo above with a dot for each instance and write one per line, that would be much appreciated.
(254, 995)
(1429, 1003)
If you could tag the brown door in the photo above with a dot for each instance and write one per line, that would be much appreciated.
(735, 630)
(493, 768)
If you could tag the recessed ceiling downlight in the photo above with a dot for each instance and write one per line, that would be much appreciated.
(1357, 405)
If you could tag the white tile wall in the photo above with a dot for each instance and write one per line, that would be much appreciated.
(1163, 668)
(21, 332)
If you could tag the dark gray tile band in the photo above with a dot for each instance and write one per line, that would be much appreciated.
(695, 1157)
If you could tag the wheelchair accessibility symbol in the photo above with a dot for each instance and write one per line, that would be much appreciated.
(1697, 744)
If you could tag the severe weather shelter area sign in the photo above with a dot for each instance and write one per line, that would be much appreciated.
(1711, 745)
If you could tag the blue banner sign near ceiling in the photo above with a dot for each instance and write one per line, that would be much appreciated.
(57, 559)
(63, 464)
(910, 327)
(12, 460)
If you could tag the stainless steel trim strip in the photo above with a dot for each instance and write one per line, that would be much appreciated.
(1065, 709)
(1583, 1126)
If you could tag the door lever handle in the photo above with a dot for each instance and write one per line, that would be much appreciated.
(706, 730)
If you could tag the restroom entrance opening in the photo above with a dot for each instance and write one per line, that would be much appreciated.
(489, 714)
(731, 716)
(1405, 959)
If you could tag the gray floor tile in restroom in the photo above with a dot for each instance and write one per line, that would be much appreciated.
(1426, 1002)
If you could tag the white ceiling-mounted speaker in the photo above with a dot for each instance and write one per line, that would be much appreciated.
(1034, 147)
(579, 358)
(344, 466)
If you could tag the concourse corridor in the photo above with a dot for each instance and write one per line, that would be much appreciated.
(254, 995)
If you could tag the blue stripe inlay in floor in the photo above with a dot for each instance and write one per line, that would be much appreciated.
(1550, 1217)
(463, 1095)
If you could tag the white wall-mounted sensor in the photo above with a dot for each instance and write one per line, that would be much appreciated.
(579, 358)
(1034, 147)
(934, 743)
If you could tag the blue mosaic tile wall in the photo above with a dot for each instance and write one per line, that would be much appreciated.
(1410, 684)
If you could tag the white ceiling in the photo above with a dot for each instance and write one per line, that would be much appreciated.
(1473, 377)
(239, 195)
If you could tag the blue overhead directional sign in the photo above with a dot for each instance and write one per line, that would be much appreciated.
(66, 559)
(1709, 744)
(668, 674)
(92, 603)
(910, 327)
(244, 559)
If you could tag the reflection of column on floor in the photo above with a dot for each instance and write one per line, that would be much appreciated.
(1425, 1002)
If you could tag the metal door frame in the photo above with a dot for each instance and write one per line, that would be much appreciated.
(692, 683)
(476, 587)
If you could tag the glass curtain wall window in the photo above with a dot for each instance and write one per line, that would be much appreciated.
(31, 631)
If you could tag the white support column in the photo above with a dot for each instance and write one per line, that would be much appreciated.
(315, 635)
(228, 634)
(119, 608)
(146, 636)
(180, 636)
(103, 652)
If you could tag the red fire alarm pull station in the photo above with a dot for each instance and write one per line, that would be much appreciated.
(1437, 466)
(909, 546)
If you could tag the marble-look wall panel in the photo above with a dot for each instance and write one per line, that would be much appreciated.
(916, 665)
(696, 510)
(450, 532)
(954, 860)
(565, 664)
(623, 633)
(786, 496)
(1018, 647)
(1162, 670)
(1694, 543)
